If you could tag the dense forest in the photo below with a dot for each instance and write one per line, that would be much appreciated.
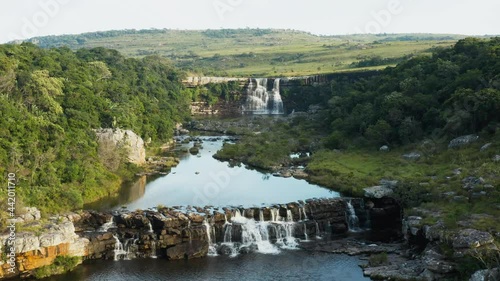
(52, 99)
(455, 91)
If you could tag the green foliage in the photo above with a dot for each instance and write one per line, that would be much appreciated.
(378, 259)
(50, 102)
(215, 92)
(451, 93)
(61, 264)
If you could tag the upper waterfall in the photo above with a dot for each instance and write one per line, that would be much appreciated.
(261, 99)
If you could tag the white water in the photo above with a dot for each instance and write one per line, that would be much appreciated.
(255, 233)
(120, 252)
(153, 249)
(106, 226)
(352, 219)
(150, 227)
(318, 236)
(212, 251)
(306, 239)
(260, 100)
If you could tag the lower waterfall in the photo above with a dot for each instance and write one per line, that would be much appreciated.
(352, 218)
(266, 237)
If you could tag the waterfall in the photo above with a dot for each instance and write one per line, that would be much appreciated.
(285, 237)
(121, 251)
(150, 227)
(212, 251)
(306, 237)
(254, 233)
(352, 219)
(276, 102)
(289, 216)
(106, 226)
(153, 249)
(260, 100)
(318, 236)
(227, 233)
(275, 215)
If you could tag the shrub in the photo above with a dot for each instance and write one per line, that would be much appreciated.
(60, 265)
(378, 259)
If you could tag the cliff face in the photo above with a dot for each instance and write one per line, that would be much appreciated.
(133, 144)
(200, 81)
(34, 250)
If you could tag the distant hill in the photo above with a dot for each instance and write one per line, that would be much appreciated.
(258, 52)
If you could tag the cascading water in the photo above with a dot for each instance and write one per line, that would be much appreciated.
(119, 251)
(106, 226)
(260, 100)
(267, 237)
(150, 227)
(306, 237)
(212, 251)
(318, 236)
(352, 219)
(253, 233)
(153, 249)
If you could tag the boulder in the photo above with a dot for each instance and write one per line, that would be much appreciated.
(471, 238)
(412, 156)
(31, 214)
(412, 225)
(134, 144)
(471, 182)
(486, 146)
(384, 148)
(463, 140)
(436, 262)
(486, 275)
(377, 192)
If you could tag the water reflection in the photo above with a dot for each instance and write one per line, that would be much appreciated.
(129, 192)
(296, 265)
(201, 180)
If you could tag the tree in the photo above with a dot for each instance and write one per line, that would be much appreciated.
(380, 133)
(41, 92)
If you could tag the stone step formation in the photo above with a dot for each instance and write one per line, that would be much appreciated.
(191, 232)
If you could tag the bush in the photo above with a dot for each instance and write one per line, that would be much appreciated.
(61, 264)
(378, 259)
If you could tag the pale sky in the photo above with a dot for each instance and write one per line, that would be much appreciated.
(21, 19)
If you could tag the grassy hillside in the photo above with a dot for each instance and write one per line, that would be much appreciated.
(259, 52)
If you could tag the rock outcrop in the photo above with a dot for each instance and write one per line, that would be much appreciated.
(194, 232)
(131, 142)
(33, 250)
(463, 140)
(203, 80)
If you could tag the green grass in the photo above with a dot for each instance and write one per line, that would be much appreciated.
(248, 52)
(62, 264)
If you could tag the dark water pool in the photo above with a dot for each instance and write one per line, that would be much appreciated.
(290, 265)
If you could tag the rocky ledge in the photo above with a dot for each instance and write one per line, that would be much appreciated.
(189, 232)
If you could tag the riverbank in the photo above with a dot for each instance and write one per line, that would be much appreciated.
(450, 186)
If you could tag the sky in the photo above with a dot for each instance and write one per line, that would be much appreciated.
(21, 19)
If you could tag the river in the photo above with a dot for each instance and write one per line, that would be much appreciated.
(201, 180)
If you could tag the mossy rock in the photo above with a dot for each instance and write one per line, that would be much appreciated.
(194, 150)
